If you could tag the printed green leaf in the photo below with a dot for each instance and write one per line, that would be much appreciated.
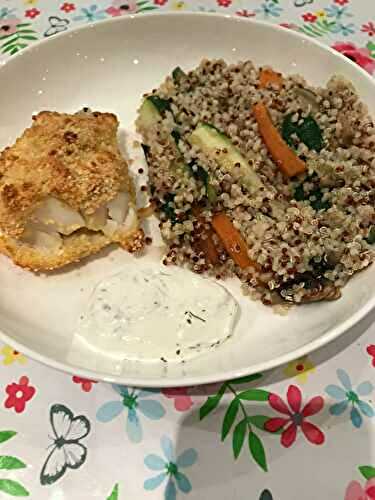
(239, 435)
(14, 50)
(371, 48)
(248, 378)
(10, 48)
(13, 488)
(320, 28)
(23, 25)
(211, 403)
(257, 451)
(5, 435)
(28, 37)
(114, 494)
(5, 36)
(26, 32)
(254, 395)
(367, 471)
(10, 41)
(144, 9)
(229, 418)
(7, 462)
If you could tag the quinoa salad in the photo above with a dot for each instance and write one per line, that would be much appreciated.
(262, 176)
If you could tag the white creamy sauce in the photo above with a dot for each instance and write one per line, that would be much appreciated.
(154, 314)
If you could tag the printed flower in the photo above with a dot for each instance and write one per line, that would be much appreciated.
(68, 7)
(346, 397)
(178, 5)
(245, 13)
(11, 356)
(90, 14)
(354, 491)
(19, 394)
(320, 14)
(369, 28)
(8, 26)
(295, 417)
(169, 469)
(224, 3)
(300, 368)
(204, 390)
(182, 400)
(309, 18)
(31, 13)
(341, 2)
(133, 402)
(337, 12)
(86, 383)
(120, 7)
(160, 2)
(344, 29)
(269, 10)
(371, 351)
(361, 56)
(289, 26)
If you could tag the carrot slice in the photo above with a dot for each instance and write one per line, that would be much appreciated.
(207, 246)
(282, 155)
(269, 77)
(204, 241)
(232, 240)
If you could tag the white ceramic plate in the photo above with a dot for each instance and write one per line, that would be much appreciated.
(108, 66)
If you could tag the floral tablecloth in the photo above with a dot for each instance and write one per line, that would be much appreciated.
(303, 432)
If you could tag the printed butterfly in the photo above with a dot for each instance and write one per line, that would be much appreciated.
(56, 25)
(67, 451)
(302, 3)
(266, 495)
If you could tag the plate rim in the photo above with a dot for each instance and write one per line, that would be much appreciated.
(195, 380)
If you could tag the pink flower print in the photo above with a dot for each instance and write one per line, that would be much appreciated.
(224, 3)
(31, 13)
(245, 13)
(68, 7)
(86, 383)
(355, 491)
(8, 26)
(371, 352)
(309, 18)
(182, 400)
(341, 2)
(19, 394)
(121, 7)
(369, 28)
(361, 56)
(295, 417)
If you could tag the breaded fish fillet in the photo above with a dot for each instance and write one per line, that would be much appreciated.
(65, 191)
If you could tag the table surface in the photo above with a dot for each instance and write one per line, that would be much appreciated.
(303, 432)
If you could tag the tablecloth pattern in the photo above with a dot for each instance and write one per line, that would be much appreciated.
(303, 432)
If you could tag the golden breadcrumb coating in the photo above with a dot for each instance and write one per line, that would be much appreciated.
(74, 159)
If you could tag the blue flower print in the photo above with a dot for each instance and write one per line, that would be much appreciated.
(90, 14)
(347, 397)
(135, 403)
(269, 9)
(344, 29)
(337, 12)
(5, 12)
(169, 469)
